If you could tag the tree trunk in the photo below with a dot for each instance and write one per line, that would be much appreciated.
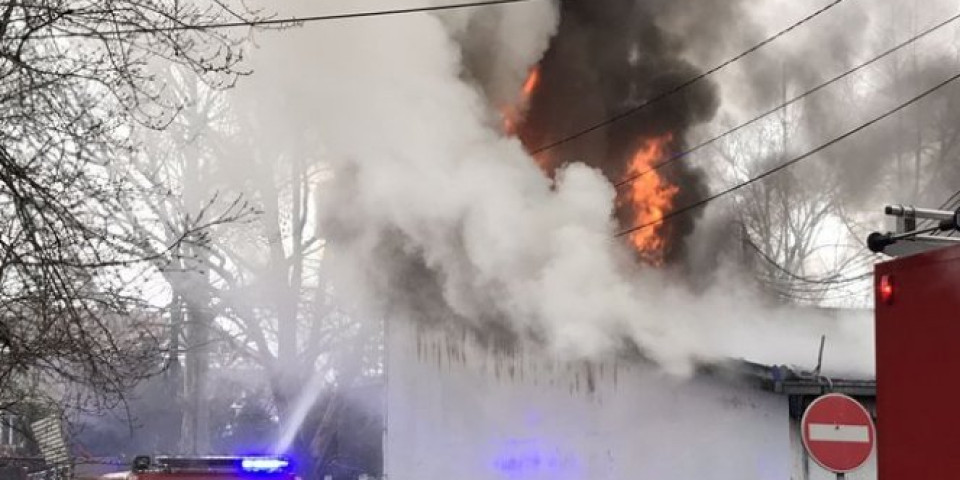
(173, 380)
(195, 432)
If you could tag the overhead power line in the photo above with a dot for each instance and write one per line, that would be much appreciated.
(670, 92)
(835, 279)
(282, 22)
(951, 203)
(792, 161)
(947, 204)
(677, 156)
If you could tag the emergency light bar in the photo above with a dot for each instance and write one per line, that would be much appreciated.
(261, 464)
(213, 464)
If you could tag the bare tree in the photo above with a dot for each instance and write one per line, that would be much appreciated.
(75, 80)
(277, 307)
(254, 298)
(784, 219)
(178, 161)
(258, 289)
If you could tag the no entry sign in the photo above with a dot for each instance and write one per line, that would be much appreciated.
(838, 433)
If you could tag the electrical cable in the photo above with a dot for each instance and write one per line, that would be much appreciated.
(950, 199)
(792, 161)
(946, 205)
(955, 199)
(787, 103)
(670, 92)
(280, 22)
(831, 280)
(819, 297)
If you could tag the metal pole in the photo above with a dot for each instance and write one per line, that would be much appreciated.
(841, 476)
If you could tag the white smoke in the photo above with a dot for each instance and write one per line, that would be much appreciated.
(419, 166)
(415, 159)
(506, 42)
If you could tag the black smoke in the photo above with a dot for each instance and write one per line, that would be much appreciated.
(609, 57)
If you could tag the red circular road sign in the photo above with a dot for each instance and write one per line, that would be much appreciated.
(838, 432)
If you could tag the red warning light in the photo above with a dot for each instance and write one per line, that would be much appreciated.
(885, 289)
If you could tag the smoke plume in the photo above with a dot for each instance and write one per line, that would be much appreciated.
(608, 57)
(434, 215)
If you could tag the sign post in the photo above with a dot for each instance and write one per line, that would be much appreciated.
(838, 433)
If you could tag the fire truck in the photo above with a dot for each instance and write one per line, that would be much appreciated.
(918, 345)
(208, 468)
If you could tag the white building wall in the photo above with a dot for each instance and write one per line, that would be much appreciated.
(458, 411)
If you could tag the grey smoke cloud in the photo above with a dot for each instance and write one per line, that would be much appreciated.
(433, 214)
(607, 57)
(865, 166)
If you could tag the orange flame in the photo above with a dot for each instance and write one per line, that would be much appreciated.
(533, 79)
(650, 198)
(513, 114)
(513, 117)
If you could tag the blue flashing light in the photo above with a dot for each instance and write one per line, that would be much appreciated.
(534, 459)
(263, 464)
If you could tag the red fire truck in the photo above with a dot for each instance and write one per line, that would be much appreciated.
(208, 468)
(918, 346)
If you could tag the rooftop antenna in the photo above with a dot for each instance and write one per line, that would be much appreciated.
(816, 371)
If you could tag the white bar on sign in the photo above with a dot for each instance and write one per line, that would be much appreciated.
(825, 432)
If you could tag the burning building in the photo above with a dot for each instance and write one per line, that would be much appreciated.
(599, 96)
(503, 149)
(477, 212)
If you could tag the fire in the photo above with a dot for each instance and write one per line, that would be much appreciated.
(533, 79)
(513, 117)
(513, 114)
(650, 197)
